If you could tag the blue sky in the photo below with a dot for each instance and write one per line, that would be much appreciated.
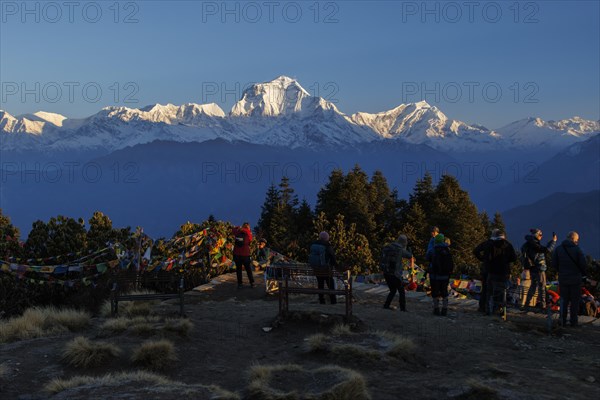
(543, 56)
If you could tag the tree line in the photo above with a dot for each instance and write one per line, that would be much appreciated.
(363, 213)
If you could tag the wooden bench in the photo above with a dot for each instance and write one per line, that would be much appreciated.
(170, 286)
(297, 278)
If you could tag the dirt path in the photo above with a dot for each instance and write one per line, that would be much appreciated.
(465, 355)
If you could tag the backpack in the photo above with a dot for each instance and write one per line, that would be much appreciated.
(240, 239)
(496, 258)
(390, 254)
(526, 261)
(316, 257)
(442, 261)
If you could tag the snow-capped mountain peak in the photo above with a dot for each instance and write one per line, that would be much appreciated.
(281, 96)
(281, 112)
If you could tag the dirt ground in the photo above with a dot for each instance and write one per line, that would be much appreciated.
(463, 356)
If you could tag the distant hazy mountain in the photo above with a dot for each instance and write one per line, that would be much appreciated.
(281, 113)
(560, 213)
(575, 169)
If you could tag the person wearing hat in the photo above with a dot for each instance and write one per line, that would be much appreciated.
(534, 257)
(440, 268)
(263, 255)
(496, 254)
(322, 256)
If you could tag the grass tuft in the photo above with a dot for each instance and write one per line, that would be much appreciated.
(81, 352)
(155, 355)
(341, 330)
(293, 382)
(182, 327)
(39, 322)
(138, 385)
(317, 342)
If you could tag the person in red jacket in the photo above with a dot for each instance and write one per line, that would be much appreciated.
(241, 252)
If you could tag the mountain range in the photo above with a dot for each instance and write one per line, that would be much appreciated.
(280, 113)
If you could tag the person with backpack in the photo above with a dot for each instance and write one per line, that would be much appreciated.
(496, 255)
(533, 258)
(569, 261)
(241, 252)
(321, 256)
(391, 265)
(440, 268)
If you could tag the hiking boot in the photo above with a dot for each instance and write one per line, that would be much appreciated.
(436, 311)
(389, 307)
(444, 312)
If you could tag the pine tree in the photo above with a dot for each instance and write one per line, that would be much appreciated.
(351, 248)
(498, 222)
(416, 228)
(303, 227)
(424, 194)
(61, 235)
(330, 199)
(384, 208)
(458, 218)
(268, 208)
(100, 231)
(487, 225)
(9, 238)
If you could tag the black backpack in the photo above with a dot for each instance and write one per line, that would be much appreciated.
(240, 239)
(389, 258)
(496, 257)
(526, 261)
(442, 261)
(316, 257)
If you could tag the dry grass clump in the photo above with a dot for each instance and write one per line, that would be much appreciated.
(115, 325)
(131, 308)
(39, 322)
(478, 390)
(81, 352)
(361, 346)
(317, 342)
(139, 384)
(399, 346)
(356, 352)
(340, 330)
(180, 326)
(139, 325)
(3, 370)
(155, 354)
(283, 382)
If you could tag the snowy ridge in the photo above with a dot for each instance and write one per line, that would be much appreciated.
(280, 112)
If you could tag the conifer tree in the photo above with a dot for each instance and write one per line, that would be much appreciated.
(9, 238)
(61, 235)
(487, 225)
(498, 222)
(457, 217)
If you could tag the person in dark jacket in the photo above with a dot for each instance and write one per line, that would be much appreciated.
(263, 255)
(535, 254)
(393, 273)
(241, 253)
(496, 254)
(569, 261)
(322, 256)
(439, 281)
